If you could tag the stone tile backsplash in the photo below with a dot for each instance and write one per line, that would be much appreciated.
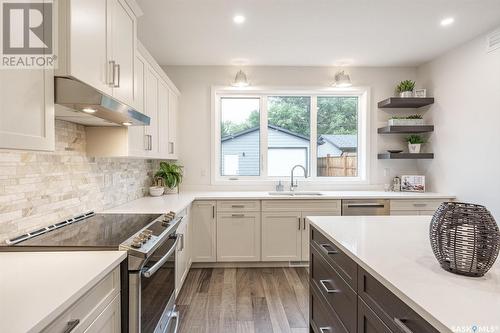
(41, 188)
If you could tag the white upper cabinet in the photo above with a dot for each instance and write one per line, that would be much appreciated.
(151, 110)
(163, 120)
(27, 109)
(173, 109)
(97, 42)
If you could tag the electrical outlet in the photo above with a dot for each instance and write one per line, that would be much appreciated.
(203, 172)
(387, 172)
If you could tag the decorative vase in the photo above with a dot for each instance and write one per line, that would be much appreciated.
(156, 191)
(465, 238)
(406, 94)
(414, 148)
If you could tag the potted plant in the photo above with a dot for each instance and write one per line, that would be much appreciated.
(405, 88)
(414, 143)
(170, 174)
(413, 120)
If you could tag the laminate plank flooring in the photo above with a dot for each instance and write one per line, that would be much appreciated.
(245, 300)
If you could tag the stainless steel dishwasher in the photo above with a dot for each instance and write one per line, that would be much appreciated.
(365, 207)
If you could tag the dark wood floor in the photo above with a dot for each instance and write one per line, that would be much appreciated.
(234, 300)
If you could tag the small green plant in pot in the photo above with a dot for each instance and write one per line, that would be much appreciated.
(414, 143)
(405, 88)
(170, 174)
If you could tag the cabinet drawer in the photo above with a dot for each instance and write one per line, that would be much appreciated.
(344, 265)
(389, 308)
(368, 321)
(238, 206)
(301, 205)
(334, 289)
(321, 317)
(90, 305)
(413, 205)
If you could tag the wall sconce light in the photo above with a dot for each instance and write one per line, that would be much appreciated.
(342, 80)
(240, 80)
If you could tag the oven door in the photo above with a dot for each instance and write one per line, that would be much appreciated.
(156, 290)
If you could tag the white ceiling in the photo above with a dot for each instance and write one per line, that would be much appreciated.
(310, 32)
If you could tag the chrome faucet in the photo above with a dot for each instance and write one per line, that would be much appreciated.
(294, 185)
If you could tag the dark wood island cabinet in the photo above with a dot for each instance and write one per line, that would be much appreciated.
(346, 298)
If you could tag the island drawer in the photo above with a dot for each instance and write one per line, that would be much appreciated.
(238, 205)
(297, 205)
(321, 317)
(334, 289)
(345, 266)
(368, 321)
(416, 205)
(398, 316)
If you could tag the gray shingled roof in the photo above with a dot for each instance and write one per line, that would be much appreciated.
(343, 142)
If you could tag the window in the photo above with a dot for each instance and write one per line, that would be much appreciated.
(263, 134)
(240, 136)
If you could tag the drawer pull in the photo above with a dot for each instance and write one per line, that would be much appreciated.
(237, 215)
(238, 206)
(328, 290)
(325, 329)
(71, 325)
(328, 249)
(419, 205)
(402, 326)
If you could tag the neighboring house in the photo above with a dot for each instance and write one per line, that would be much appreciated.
(240, 151)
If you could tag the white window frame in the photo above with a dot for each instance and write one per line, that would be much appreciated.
(363, 94)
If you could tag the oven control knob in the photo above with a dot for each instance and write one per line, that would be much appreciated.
(136, 244)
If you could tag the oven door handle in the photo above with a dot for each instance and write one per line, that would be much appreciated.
(149, 272)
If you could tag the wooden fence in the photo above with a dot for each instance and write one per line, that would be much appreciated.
(338, 166)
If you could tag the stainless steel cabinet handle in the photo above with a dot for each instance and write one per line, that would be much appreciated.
(175, 315)
(419, 205)
(182, 242)
(111, 64)
(325, 329)
(300, 221)
(171, 147)
(402, 326)
(117, 68)
(213, 212)
(328, 249)
(366, 205)
(238, 215)
(146, 142)
(71, 325)
(238, 206)
(304, 220)
(328, 290)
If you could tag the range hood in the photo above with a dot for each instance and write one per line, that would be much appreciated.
(86, 105)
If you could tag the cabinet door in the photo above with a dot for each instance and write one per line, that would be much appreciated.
(203, 239)
(109, 321)
(122, 39)
(173, 110)
(306, 230)
(89, 53)
(180, 256)
(163, 125)
(151, 109)
(368, 321)
(136, 134)
(27, 109)
(238, 236)
(282, 236)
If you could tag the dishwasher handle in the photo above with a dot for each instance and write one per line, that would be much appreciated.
(366, 205)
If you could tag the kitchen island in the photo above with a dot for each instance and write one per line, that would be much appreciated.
(381, 265)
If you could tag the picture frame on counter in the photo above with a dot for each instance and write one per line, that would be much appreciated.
(412, 183)
(420, 93)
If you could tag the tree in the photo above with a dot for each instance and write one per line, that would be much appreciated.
(337, 115)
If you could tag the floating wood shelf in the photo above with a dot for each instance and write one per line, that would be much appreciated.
(405, 102)
(405, 156)
(406, 129)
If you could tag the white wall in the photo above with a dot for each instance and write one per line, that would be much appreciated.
(466, 84)
(195, 83)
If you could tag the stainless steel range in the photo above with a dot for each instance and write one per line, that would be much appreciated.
(148, 276)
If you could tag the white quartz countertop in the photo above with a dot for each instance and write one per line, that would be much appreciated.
(36, 287)
(177, 202)
(396, 250)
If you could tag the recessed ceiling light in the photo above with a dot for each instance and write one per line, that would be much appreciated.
(447, 21)
(127, 124)
(89, 110)
(239, 19)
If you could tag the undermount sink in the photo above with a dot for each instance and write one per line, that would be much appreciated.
(296, 193)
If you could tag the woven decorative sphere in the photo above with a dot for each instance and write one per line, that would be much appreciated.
(465, 238)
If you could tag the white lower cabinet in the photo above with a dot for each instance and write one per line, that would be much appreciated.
(281, 236)
(96, 311)
(238, 236)
(182, 254)
(204, 237)
(306, 229)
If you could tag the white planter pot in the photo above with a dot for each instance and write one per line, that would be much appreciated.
(414, 148)
(156, 191)
(406, 94)
(406, 122)
(171, 190)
